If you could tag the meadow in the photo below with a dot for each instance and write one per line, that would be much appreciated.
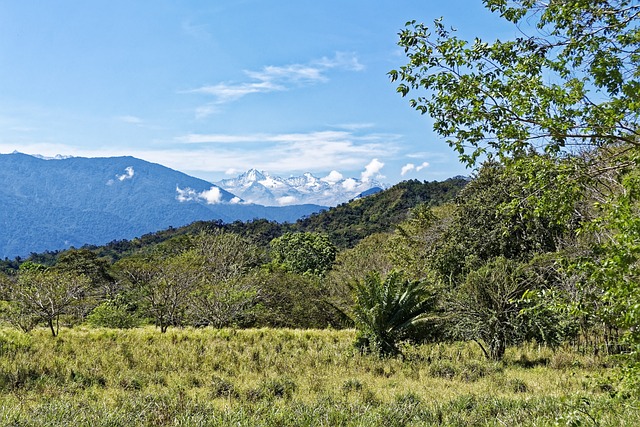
(285, 377)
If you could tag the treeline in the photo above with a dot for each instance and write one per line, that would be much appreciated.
(345, 224)
(256, 273)
(482, 266)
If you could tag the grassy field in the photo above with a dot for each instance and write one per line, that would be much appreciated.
(269, 377)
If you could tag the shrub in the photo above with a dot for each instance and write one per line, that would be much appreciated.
(114, 314)
(389, 311)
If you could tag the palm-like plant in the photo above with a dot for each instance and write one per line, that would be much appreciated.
(391, 310)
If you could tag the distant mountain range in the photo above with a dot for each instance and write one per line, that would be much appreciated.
(49, 204)
(262, 188)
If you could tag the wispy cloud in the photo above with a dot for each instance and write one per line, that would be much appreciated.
(355, 126)
(203, 138)
(208, 153)
(128, 174)
(197, 31)
(407, 168)
(342, 60)
(206, 110)
(422, 166)
(411, 167)
(288, 152)
(274, 78)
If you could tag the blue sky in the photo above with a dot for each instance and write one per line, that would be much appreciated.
(213, 88)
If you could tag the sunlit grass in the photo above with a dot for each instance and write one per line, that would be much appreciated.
(103, 377)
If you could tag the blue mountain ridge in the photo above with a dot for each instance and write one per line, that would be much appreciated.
(55, 204)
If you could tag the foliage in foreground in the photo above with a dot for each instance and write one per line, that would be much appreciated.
(558, 107)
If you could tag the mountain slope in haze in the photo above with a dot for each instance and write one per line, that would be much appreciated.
(55, 204)
(260, 187)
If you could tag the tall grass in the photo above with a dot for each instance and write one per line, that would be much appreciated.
(282, 377)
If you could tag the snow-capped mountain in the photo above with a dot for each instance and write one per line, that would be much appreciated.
(262, 188)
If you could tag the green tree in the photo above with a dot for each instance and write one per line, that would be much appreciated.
(291, 300)
(568, 91)
(574, 81)
(87, 263)
(10, 311)
(617, 271)
(226, 295)
(304, 253)
(115, 312)
(371, 254)
(484, 225)
(390, 310)
(163, 286)
(485, 307)
(47, 294)
(417, 239)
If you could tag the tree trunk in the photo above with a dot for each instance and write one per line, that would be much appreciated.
(496, 350)
(483, 349)
(50, 323)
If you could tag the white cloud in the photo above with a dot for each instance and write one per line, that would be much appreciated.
(342, 60)
(186, 194)
(272, 78)
(235, 200)
(128, 174)
(407, 168)
(295, 73)
(410, 167)
(371, 170)
(211, 197)
(349, 184)
(333, 177)
(422, 166)
(286, 200)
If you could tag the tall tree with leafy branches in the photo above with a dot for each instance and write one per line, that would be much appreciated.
(567, 89)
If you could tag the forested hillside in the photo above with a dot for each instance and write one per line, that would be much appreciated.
(349, 223)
